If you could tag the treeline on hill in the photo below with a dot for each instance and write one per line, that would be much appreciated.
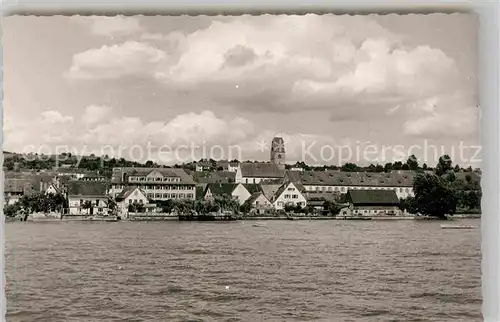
(104, 165)
(440, 193)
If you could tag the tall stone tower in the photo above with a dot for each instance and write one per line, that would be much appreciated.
(278, 152)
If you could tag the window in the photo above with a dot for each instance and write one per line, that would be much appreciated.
(280, 203)
(295, 196)
(287, 196)
(141, 201)
(130, 201)
(81, 202)
(97, 202)
(181, 195)
(291, 189)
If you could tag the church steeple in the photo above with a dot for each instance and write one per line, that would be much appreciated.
(278, 152)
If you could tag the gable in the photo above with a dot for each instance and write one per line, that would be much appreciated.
(239, 190)
(136, 194)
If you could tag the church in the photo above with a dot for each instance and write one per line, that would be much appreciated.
(250, 172)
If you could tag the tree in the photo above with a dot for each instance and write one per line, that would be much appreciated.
(409, 205)
(350, 167)
(289, 207)
(12, 210)
(433, 196)
(87, 205)
(111, 205)
(398, 165)
(444, 165)
(412, 162)
(388, 167)
(331, 207)
(246, 208)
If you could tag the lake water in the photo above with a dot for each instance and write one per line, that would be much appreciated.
(232, 271)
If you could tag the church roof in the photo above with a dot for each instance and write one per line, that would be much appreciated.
(261, 170)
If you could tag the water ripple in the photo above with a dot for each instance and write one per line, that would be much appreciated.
(289, 271)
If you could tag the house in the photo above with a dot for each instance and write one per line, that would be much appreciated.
(214, 190)
(130, 195)
(230, 166)
(81, 192)
(203, 165)
(237, 191)
(317, 200)
(157, 183)
(289, 194)
(75, 173)
(339, 181)
(258, 203)
(255, 172)
(372, 203)
(52, 189)
(93, 177)
(15, 189)
(18, 184)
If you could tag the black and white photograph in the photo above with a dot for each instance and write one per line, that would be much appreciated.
(271, 167)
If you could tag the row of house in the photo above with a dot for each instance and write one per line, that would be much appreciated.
(261, 185)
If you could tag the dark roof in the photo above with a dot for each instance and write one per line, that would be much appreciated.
(270, 190)
(320, 195)
(340, 178)
(167, 172)
(17, 185)
(252, 187)
(373, 197)
(261, 170)
(220, 189)
(254, 197)
(199, 193)
(86, 188)
(214, 176)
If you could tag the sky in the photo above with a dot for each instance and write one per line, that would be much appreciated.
(364, 89)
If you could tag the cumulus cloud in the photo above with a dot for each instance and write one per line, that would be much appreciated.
(53, 117)
(348, 66)
(108, 62)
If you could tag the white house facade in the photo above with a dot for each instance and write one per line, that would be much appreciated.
(157, 183)
(289, 194)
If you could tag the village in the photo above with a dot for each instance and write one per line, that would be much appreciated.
(246, 189)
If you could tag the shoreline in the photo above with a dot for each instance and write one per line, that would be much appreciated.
(67, 218)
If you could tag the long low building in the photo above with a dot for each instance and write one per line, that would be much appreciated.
(157, 183)
(337, 181)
